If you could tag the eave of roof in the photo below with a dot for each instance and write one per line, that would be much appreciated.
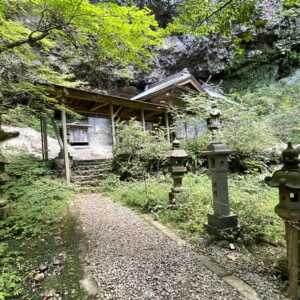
(63, 92)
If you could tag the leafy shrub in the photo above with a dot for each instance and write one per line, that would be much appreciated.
(139, 151)
(28, 168)
(252, 122)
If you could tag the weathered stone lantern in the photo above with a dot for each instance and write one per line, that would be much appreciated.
(221, 222)
(287, 180)
(178, 159)
(214, 121)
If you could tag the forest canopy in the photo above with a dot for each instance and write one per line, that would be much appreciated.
(32, 30)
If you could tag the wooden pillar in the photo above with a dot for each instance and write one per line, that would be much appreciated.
(113, 128)
(168, 127)
(44, 137)
(143, 119)
(65, 147)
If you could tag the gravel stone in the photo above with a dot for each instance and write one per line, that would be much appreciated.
(263, 278)
(131, 259)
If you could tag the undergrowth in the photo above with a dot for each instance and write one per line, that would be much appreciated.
(250, 199)
(36, 202)
(24, 116)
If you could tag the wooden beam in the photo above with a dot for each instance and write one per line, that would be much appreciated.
(118, 111)
(98, 107)
(143, 119)
(167, 127)
(114, 100)
(65, 147)
(113, 129)
(44, 137)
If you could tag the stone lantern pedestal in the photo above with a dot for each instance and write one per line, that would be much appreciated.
(287, 180)
(221, 222)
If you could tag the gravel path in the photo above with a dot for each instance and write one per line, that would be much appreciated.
(130, 259)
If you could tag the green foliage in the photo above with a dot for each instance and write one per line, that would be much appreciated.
(10, 278)
(202, 18)
(34, 197)
(36, 201)
(278, 106)
(252, 121)
(250, 199)
(103, 33)
(115, 32)
(243, 129)
(251, 78)
(137, 150)
(24, 116)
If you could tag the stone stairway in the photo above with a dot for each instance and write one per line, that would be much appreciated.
(88, 173)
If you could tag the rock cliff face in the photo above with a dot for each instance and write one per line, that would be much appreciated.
(215, 57)
(206, 57)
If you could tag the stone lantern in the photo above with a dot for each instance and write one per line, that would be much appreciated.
(221, 222)
(214, 121)
(287, 180)
(178, 159)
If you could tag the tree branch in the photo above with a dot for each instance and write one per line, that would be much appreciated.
(214, 13)
(29, 40)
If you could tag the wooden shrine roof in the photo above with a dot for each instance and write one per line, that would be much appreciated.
(180, 80)
(96, 104)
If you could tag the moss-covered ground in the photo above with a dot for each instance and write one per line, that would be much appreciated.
(38, 233)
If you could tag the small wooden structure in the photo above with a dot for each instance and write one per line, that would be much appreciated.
(149, 107)
(92, 104)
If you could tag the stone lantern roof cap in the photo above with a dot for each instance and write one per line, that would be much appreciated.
(176, 152)
(217, 148)
(289, 175)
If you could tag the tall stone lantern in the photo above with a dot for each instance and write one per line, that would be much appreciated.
(221, 222)
(177, 159)
(287, 180)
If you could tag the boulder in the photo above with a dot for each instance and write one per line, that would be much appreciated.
(28, 142)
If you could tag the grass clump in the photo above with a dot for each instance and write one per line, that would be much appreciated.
(250, 199)
(36, 201)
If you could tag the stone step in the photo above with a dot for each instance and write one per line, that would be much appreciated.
(87, 189)
(91, 183)
(89, 173)
(97, 162)
(92, 166)
(78, 178)
(83, 172)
